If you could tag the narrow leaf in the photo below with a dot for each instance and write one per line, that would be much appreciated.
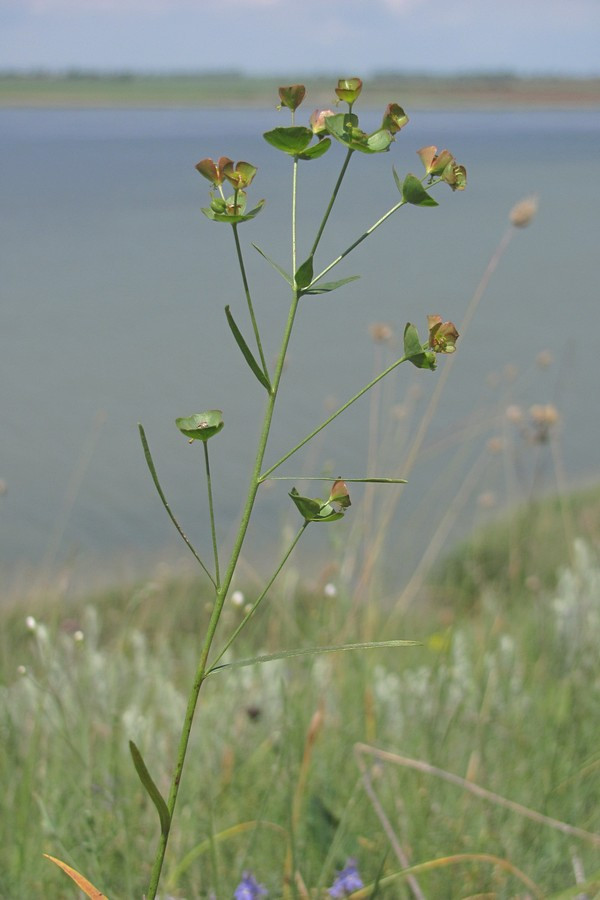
(82, 883)
(414, 192)
(304, 274)
(314, 651)
(397, 179)
(327, 286)
(153, 792)
(246, 352)
(278, 268)
(329, 478)
(163, 499)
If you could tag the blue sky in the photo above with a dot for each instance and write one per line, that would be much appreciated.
(302, 36)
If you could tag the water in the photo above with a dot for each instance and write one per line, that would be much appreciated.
(113, 288)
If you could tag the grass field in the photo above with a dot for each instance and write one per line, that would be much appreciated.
(85, 89)
(502, 692)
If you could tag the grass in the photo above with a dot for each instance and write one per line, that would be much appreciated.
(505, 696)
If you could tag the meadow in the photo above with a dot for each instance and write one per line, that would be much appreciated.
(320, 759)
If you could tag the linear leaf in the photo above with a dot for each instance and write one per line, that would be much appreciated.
(330, 478)
(313, 651)
(154, 474)
(246, 351)
(153, 792)
(327, 286)
(82, 883)
(277, 267)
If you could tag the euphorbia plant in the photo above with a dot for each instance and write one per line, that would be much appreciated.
(301, 280)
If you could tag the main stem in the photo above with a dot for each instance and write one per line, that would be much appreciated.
(223, 588)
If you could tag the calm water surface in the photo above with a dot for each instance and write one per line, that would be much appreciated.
(113, 287)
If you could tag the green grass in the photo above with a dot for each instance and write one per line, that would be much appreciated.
(504, 694)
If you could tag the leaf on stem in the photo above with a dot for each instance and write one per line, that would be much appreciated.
(82, 883)
(414, 192)
(151, 789)
(277, 267)
(314, 651)
(293, 139)
(304, 274)
(316, 150)
(246, 352)
(328, 286)
(414, 351)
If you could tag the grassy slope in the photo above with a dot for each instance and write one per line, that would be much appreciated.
(503, 695)
(214, 89)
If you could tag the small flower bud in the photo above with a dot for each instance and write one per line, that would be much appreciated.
(455, 176)
(523, 213)
(434, 162)
(394, 118)
(213, 171)
(240, 174)
(348, 89)
(292, 95)
(317, 120)
(442, 335)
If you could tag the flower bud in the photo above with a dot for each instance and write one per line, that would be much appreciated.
(455, 176)
(442, 335)
(348, 89)
(240, 174)
(292, 95)
(394, 118)
(213, 171)
(317, 120)
(434, 162)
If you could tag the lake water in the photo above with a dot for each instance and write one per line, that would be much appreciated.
(113, 286)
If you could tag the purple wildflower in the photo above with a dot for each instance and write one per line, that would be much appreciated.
(347, 880)
(249, 888)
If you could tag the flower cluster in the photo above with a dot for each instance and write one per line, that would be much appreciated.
(347, 881)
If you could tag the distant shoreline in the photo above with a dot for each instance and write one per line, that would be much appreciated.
(223, 90)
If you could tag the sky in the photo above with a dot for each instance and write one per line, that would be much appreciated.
(288, 36)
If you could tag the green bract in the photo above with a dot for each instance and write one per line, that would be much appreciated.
(316, 510)
(201, 426)
(413, 191)
(295, 140)
(344, 128)
(232, 210)
(416, 352)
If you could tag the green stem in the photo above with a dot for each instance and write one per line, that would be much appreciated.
(213, 529)
(333, 416)
(359, 240)
(150, 463)
(221, 591)
(331, 202)
(249, 300)
(365, 235)
(259, 600)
